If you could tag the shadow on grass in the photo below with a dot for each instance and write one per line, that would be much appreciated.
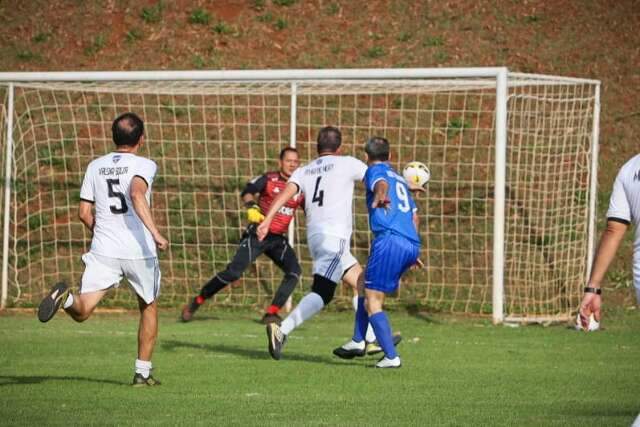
(248, 353)
(6, 380)
(419, 313)
(199, 318)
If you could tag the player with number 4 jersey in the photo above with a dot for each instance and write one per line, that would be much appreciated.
(327, 184)
(117, 186)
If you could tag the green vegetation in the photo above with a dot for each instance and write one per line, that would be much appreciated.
(375, 52)
(41, 37)
(285, 3)
(280, 24)
(530, 19)
(153, 14)
(96, 45)
(222, 27)
(199, 17)
(258, 5)
(455, 372)
(333, 9)
(267, 17)
(404, 36)
(198, 62)
(455, 126)
(133, 35)
(25, 55)
(433, 41)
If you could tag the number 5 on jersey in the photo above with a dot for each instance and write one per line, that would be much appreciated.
(117, 194)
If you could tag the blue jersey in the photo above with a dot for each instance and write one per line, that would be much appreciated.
(398, 217)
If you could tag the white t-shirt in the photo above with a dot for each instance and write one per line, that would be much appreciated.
(624, 206)
(118, 232)
(327, 184)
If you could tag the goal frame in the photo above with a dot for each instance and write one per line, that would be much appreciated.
(500, 74)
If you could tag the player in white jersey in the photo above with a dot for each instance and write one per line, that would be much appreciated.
(327, 183)
(118, 187)
(624, 210)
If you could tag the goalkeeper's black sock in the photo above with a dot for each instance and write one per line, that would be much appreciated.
(211, 288)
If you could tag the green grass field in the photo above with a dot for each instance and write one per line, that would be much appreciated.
(216, 371)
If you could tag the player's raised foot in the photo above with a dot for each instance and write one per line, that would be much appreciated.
(389, 363)
(350, 350)
(271, 318)
(189, 310)
(374, 347)
(276, 340)
(51, 303)
(140, 381)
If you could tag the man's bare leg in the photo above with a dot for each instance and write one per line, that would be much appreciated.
(147, 334)
(84, 304)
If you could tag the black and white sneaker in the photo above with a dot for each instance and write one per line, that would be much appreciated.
(389, 363)
(350, 350)
(51, 303)
(276, 339)
(140, 381)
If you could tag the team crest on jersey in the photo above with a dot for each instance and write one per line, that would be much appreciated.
(116, 159)
(276, 190)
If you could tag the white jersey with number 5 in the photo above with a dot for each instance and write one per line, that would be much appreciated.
(118, 231)
(327, 183)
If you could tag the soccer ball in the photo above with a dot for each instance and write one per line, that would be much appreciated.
(594, 325)
(416, 173)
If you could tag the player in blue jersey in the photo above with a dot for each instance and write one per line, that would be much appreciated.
(395, 248)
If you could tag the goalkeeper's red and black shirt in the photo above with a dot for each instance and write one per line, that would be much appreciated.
(269, 186)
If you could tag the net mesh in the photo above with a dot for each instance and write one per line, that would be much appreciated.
(210, 138)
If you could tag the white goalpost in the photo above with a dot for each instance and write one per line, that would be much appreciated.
(507, 222)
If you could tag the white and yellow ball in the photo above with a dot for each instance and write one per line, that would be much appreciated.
(416, 173)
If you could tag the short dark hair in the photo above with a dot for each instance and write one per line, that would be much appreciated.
(284, 151)
(329, 140)
(377, 148)
(127, 129)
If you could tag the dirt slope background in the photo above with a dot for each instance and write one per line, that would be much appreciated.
(584, 38)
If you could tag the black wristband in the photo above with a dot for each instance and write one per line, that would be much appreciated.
(589, 290)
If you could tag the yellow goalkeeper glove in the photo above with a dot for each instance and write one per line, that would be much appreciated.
(254, 215)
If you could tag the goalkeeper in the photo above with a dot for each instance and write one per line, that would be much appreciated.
(275, 245)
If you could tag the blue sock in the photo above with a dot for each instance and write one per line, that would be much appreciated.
(361, 321)
(382, 328)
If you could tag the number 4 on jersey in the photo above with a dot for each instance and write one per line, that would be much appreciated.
(318, 195)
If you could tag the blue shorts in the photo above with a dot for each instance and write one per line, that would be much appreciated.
(391, 255)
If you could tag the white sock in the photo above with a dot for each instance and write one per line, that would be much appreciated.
(68, 302)
(308, 306)
(143, 367)
(370, 335)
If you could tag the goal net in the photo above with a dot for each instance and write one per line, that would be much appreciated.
(210, 136)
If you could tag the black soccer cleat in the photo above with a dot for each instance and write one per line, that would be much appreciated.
(349, 351)
(271, 318)
(374, 347)
(51, 303)
(276, 339)
(189, 310)
(140, 381)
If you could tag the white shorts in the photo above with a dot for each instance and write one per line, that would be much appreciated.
(103, 272)
(331, 256)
